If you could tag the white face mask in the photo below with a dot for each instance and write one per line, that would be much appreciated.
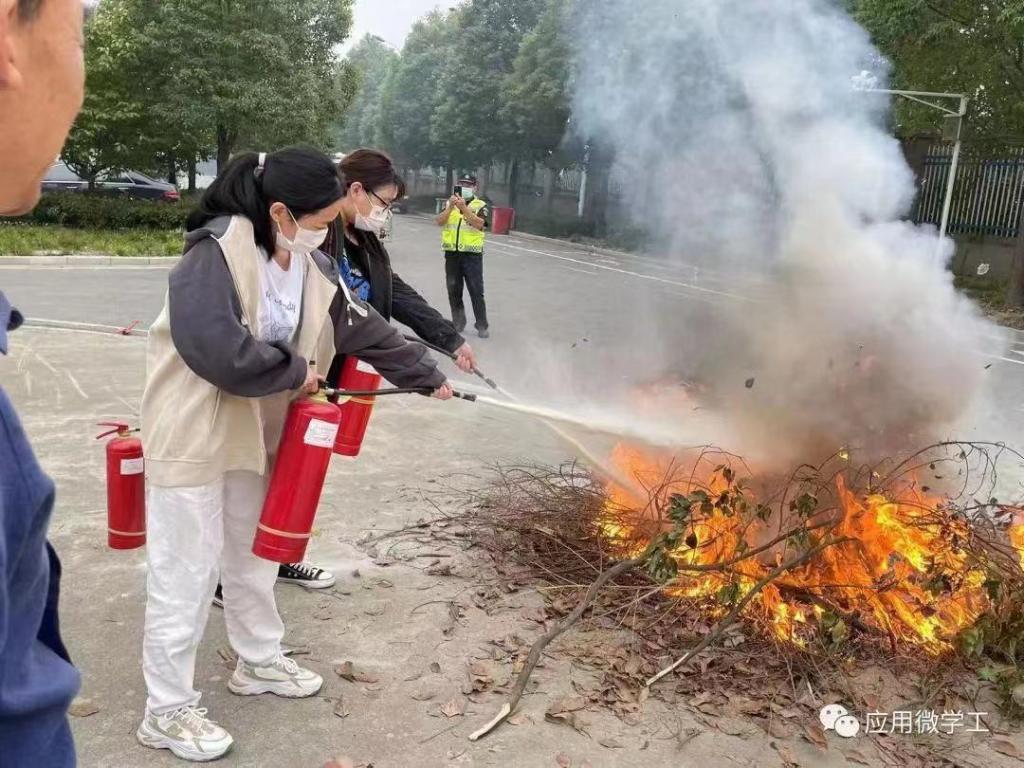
(305, 240)
(375, 221)
(468, 193)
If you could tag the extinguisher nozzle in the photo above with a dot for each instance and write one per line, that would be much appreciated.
(467, 396)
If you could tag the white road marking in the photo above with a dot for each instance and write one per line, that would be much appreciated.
(45, 362)
(576, 269)
(678, 283)
(76, 385)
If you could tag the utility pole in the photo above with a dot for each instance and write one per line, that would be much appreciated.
(953, 131)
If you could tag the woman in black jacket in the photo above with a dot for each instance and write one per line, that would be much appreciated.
(372, 185)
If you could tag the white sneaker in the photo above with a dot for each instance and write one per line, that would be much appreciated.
(282, 677)
(187, 733)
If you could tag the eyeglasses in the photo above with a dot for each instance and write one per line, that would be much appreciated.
(385, 203)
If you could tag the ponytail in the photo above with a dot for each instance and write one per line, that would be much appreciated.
(303, 179)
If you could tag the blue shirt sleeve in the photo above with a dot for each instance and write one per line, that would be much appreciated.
(37, 682)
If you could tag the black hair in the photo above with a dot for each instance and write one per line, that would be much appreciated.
(27, 9)
(371, 168)
(302, 178)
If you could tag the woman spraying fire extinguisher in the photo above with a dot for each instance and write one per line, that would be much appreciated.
(251, 304)
(372, 184)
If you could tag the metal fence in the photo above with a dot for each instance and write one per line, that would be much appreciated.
(987, 193)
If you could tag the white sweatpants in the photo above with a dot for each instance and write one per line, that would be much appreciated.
(194, 535)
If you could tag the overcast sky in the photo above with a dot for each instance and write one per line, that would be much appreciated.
(391, 19)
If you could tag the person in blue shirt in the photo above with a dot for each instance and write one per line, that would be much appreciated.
(41, 86)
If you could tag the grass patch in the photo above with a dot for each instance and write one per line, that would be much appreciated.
(31, 239)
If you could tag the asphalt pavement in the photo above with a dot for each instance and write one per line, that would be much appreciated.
(566, 321)
(563, 318)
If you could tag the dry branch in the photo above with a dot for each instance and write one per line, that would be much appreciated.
(538, 647)
(564, 527)
(741, 604)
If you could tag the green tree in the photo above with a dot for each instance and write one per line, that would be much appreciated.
(412, 91)
(106, 135)
(537, 90)
(465, 126)
(372, 60)
(207, 76)
(959, 46)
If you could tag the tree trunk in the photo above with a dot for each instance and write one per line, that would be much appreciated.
(449, 178)
(225, 142)
(550, 180)
(513, 184)
(595, 203)
(191, 174)
(485, 180)
(172, 170)
(1015, 289)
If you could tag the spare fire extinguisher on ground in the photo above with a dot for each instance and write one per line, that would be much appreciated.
(303, 456)
(355, 412)
(126, 488)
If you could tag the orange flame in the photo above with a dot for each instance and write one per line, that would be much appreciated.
(903, 573)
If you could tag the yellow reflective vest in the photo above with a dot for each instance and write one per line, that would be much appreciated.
(457, 235)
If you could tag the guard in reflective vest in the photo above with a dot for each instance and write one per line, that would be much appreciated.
(463, 223)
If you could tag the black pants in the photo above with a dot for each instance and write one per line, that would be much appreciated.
(468, 269)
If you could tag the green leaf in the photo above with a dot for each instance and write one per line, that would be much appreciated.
(839, 632)
(728, 594)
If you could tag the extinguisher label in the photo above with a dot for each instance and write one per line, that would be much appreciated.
(365, 367)
(133, 466)
(321, 434)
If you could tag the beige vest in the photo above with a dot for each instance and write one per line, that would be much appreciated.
(192, 431)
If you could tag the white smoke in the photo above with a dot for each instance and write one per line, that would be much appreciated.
(761, 160)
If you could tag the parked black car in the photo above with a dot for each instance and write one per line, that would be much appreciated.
(132, 184)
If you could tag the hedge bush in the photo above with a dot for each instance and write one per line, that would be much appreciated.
(93, 211)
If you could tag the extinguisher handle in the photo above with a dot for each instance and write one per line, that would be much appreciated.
(451, 356)
(119, 428)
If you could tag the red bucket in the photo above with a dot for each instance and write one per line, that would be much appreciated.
(503, 219)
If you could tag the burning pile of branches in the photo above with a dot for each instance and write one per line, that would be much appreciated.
(901, 557)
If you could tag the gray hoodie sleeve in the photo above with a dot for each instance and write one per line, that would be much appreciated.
(207, 330)
(361, 331)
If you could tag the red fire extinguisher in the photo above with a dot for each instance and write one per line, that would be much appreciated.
(355, 413)
(303, 456)
(126, 488)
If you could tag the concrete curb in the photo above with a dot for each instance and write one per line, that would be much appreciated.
(544, 239)
(88, 261)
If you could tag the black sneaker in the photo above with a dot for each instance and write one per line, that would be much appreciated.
(305, 575)
(218, 597)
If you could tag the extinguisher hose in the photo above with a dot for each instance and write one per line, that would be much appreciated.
(331, 392)
(451, 356)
